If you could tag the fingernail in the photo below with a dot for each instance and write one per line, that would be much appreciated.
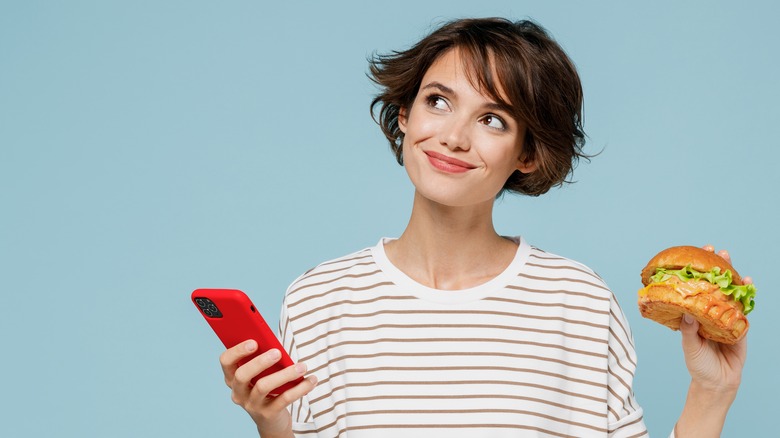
(688, 319)
(301, 368)
(274, 354)
(251, 346)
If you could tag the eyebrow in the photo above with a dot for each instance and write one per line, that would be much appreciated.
(494, 106)
(438, 85)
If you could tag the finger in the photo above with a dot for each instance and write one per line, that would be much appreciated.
(270, 382)
(691, 341)
(287, 397)
(229, 358)
(747, 280)
(741, 348)
(725, 254)
(708, 247)
(248, 371)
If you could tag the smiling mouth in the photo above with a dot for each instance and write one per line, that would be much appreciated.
(448, 164)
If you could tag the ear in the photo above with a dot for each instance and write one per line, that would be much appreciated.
(402, 119)
(526, 165)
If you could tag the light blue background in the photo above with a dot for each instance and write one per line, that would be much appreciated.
(148, 148)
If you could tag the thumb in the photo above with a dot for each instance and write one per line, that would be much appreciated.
(691, 341)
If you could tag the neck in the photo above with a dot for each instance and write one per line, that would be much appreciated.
(451, 247)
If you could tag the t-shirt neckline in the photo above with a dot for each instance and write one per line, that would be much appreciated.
(451, 296)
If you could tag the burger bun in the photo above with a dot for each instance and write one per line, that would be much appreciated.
(720, 317)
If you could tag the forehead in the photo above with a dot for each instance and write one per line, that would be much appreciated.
(455, 66)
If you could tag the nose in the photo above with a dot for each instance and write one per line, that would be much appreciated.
(455, 134)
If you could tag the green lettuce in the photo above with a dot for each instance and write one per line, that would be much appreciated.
(744, 293)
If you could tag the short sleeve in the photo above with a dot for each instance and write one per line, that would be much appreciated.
(624, 413)
(303, 424)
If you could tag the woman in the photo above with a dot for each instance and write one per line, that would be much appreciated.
(452, 329)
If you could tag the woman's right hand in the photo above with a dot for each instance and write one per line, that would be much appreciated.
(269, 413)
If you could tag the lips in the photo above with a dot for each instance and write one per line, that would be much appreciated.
(448, 164)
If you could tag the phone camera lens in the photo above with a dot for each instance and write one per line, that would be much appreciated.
(208, 307)
(212, 311)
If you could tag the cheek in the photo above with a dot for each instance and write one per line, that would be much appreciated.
(412, 153)
(420, 127)
(503, 156)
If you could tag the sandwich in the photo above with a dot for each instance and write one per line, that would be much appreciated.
(687, 279)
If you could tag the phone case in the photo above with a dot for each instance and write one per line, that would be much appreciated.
(234, 319)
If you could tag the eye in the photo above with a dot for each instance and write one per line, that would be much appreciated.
(438, 102)
(494, 122)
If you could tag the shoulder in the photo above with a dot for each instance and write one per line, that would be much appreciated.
(572, 282)
(578, 275)
(333, 273)
(555, 267)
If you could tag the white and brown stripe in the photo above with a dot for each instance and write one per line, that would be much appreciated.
(542, 350)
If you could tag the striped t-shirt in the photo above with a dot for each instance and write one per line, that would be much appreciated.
(543, 349)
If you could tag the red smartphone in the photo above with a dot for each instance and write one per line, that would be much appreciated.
(234, 319)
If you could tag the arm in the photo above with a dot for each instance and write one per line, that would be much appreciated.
(716, 372)
(625, 416)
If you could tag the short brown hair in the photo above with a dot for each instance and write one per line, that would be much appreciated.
(539, 80)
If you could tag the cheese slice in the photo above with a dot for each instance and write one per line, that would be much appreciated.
(684, 288)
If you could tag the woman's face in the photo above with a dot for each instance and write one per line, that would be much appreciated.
(459, 145)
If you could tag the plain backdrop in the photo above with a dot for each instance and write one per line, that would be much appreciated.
(148, 148)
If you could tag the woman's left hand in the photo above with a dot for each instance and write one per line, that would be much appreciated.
(716, 371)
(714, 367)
